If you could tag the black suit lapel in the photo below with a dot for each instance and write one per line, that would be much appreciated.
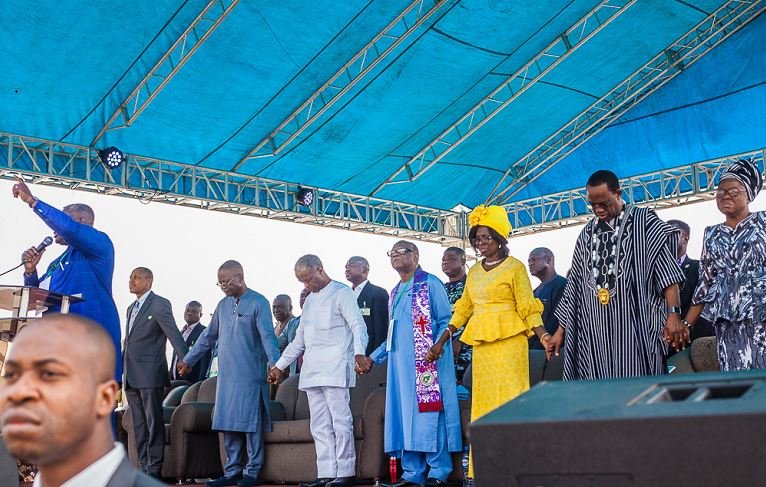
(364, 296)
(143, 311)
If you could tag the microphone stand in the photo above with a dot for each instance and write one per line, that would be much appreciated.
(11, 270)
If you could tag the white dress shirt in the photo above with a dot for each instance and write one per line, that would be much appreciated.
(358, 290)
(97, 474)
(330, 333)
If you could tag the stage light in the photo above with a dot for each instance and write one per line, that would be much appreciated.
(304, 196)
(112, 157)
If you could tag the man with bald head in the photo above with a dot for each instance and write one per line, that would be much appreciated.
(56, 404)
(86, 267)
(542, 265)
(371, 299)
(241, 324)
(286, 325)
(191, 332)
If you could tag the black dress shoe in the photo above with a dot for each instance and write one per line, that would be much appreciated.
(342, 482)
(432, 482)
(225, 481)
(320, 482)
(403, 483)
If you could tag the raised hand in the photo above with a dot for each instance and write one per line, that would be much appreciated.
(22, 192)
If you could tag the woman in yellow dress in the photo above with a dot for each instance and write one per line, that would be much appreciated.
(501, 313)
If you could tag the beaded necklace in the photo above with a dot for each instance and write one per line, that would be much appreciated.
(604, 257)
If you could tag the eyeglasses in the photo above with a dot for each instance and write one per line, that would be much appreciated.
(731, 193)
(399, 252)
(223, 284)
(482, 239)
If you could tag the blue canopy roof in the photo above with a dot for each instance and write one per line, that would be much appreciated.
(70, 65)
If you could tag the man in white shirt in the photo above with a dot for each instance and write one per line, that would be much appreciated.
(56, 403)
(332, 337)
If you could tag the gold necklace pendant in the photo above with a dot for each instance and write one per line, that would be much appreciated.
(603, 296)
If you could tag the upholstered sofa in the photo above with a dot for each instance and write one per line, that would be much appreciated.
(191, 447)
(289, 454)
(701, 356)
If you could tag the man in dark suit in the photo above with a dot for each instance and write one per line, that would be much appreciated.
(149, 324)
(372, 300)
(191, 331)
(691, 268)
(56, 404)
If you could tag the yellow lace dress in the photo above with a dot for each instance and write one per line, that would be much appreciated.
(499, 311)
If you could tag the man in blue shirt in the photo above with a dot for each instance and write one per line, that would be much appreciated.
(551, 288)
(85, 268)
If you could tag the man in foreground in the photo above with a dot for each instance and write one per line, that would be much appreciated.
(56, 405)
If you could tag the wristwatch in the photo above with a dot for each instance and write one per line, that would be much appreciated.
(674, 309)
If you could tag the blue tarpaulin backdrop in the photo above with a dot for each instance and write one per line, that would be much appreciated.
(70, 64)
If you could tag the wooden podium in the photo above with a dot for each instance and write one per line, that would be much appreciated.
(22, 301)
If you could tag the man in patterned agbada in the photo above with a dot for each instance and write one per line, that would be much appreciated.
(621, 305)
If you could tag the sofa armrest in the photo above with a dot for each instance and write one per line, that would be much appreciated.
(277, 411)
(193, 417)
(681, 362)
(372, 461)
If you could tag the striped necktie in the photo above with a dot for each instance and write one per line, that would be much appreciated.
(133, 313)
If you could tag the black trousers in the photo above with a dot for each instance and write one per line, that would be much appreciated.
(148, 427)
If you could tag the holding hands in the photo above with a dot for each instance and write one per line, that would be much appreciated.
(276, 376)
(183, 368)
(363, 364)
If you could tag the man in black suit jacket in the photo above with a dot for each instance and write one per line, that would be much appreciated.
(372, 300)
(191, 331)
(56, 404)
(691, 268)
(150, 323)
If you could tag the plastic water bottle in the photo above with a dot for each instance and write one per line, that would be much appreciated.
(467, 482)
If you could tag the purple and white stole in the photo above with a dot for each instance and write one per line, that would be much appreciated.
(426, 381)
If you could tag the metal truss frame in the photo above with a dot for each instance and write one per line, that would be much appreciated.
(513, 87)
(54, 163)
(169, 64)
(344, 79)
(661, 189)
(690, 47)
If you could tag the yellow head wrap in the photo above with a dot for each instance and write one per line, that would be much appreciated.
(494, 217)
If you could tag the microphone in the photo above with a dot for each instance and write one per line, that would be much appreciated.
(46, 242)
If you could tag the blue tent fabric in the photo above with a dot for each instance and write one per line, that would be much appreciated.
(71, 63)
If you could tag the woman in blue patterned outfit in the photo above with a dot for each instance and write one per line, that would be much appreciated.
(732, 288)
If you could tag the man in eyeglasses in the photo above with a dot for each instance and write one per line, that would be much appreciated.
(247, 345)
(621, 306)
(422, 416)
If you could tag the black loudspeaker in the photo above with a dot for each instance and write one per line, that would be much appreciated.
(705, 429)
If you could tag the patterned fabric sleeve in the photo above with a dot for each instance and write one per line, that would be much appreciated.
(566, 310)
(530, 308)
(706, 271)
(463, 309)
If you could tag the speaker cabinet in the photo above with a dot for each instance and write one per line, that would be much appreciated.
(705, 429)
